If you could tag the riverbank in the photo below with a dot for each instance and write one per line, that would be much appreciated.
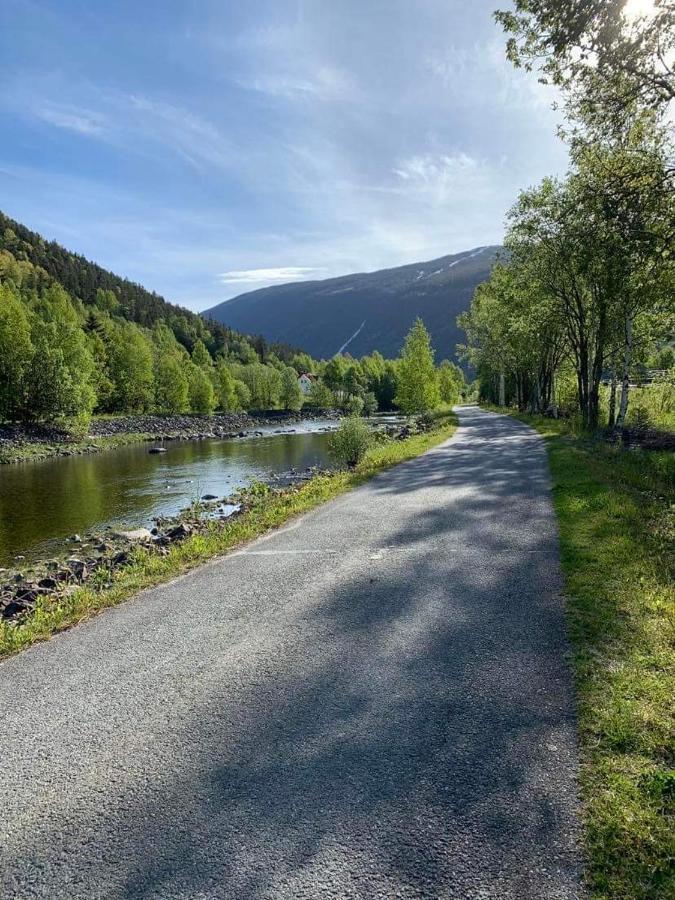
(19, 443)
(151, 562)
(615, 511)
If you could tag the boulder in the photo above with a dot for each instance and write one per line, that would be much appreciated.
(157, 450)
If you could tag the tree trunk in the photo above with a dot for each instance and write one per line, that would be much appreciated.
(554, 402)
(502, 389)
(625, 380)
(612, 399)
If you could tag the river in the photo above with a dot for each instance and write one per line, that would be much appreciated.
(42, 503)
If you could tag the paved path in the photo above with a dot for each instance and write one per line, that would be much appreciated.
(370, 703)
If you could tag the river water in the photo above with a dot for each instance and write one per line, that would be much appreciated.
(44, 502)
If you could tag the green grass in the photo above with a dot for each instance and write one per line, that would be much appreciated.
(266, 510)
(33, 450)
(616, 519)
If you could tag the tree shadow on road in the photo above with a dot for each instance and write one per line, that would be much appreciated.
(411, 732)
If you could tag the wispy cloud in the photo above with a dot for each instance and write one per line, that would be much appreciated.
(338, 136)
(256, 276)
(81, 121)
(316, 83)
(436, 169)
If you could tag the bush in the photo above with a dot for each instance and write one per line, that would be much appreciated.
(354, 406)
(348, 445)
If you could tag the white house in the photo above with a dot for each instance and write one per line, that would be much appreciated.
(306, 380)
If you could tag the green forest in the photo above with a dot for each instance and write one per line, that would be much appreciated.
(76, 340)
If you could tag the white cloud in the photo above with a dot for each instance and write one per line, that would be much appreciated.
(436, 171)
(322, 83)
(255, 276)
(82, 121)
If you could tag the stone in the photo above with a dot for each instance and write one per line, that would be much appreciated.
(77, 567)
(209, 497)
(157, 450)
(48, 584)
(75, 539)
(13, 608)
(135, 535)
(180, 531)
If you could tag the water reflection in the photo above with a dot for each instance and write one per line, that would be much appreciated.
(44, 502)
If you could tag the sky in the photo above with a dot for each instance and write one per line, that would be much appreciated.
(208, 147)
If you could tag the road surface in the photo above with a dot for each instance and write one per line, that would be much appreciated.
(372, 702)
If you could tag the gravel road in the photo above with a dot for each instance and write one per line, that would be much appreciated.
(372, 702)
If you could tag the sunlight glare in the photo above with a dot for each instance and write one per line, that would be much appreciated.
(635, 9)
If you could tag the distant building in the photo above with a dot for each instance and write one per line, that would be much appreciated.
(306, 380)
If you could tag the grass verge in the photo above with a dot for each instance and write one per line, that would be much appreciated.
(616, 517)
(266, 510)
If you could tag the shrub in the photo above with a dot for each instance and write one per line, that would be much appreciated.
(354, 406)
(348, 445)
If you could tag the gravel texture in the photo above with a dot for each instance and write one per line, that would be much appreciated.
(372, 702)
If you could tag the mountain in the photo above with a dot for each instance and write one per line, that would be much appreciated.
(367, 311)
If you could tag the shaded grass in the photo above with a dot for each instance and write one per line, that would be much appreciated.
(265, 511)
(616, 520)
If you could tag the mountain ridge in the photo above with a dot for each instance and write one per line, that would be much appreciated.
(375, 309)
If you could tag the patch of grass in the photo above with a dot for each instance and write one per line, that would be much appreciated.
(35, 450)
(616, 515)
(265, 511)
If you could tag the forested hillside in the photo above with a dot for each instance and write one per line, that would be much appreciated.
(77, 339)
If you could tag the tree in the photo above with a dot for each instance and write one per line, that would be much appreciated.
(290, 395)
(16, 350)
(450, 382)
(353, 381)
(242, 395)
(593, 45)
(417, 383)
(225, 387)
(170, 383)
(201, 395)
(334, 374)
(201, 356)
(131, 367)
(320, 396)
(369, 403)
(60, 378)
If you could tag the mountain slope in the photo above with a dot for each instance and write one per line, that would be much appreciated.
(82, 279)
(367, 311)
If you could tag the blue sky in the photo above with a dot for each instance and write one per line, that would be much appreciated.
(207, 148)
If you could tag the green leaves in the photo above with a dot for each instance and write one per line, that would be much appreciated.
(417, 389)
